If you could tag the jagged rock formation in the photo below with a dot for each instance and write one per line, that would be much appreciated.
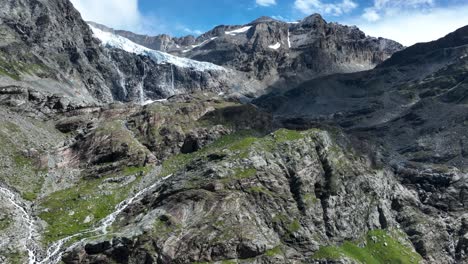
(273, 51)
(58, 56)
(366, 167)
(411, 114)
(161, 42)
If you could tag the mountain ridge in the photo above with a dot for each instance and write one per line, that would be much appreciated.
(115, 153)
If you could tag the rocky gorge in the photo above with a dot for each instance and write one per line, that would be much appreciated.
(234, 147)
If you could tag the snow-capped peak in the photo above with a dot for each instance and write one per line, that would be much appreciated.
(115, 41)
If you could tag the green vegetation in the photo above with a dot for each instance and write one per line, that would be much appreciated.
(290, 225)
(294, 226)
(127, 171)
(260, 190)
(237, 145)
(24, 172)
(76, 209)
(5, 222)
(15, 257)
(381, 246)
(14, 69)
(283, 135)
(162, 228)
(230, 142)
(274, 252)
(310, 199)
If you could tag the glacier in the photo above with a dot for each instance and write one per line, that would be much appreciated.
(112, 40)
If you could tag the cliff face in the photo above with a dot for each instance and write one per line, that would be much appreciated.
(58, 52)
(58, 55)
(366, 167)
(274, 53)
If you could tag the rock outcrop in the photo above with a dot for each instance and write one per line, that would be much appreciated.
(276, 53)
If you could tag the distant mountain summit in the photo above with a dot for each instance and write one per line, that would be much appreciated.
(274, 52)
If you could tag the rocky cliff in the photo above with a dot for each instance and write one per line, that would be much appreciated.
(61, 56)
(274, 53)
(366, 167)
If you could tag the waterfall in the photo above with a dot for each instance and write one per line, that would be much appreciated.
(172, 78)
(141, 85)
(54, 253)
(26, 217)
(122, 81)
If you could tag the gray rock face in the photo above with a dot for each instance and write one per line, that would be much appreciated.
(58, 55)
(134, 74)
(273, 51)
(375, 168)
(162, 42)
(61, 45)
(410, 113)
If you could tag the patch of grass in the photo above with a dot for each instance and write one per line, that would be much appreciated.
(163, 228)
(5, 223)
(381, 246)
(14, 69)
(310, 199)
(230, 142)
(260, 190)
(30, 196)
(127, 171)
(294, 226)
(274, 251)
(240, 174)
(22, 161)
(15, 257)
(290, 225)
(66, 211)
(283, 135)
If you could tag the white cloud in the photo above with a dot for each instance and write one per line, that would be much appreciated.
(192, 31)
(266, 2)
(393, 7)
(370, 15)
(113, 13)
(409, 26)
(317, 6)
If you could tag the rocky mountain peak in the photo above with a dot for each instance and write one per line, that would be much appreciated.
(420, 52)
(314, 19)
(118, 147)
(263, 19)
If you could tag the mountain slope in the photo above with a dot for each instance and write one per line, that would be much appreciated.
(410, 113)
(55, 55)
(279, 54)
(364, 167)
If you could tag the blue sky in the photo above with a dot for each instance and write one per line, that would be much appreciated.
(407, 21)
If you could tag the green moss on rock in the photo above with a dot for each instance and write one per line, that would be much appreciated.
(381, 246)
(70, 211)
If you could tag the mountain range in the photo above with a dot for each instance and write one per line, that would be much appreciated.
(269, 142)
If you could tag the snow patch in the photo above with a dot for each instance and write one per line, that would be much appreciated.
(289, 40)
(199, 45)
(237, 31)
(112, 40)
(147, 102)
(275, 46)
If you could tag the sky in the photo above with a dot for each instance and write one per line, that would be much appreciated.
(406, 21)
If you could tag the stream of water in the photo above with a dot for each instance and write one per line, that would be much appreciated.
(27, 219)
(141, 86)
(53, 254)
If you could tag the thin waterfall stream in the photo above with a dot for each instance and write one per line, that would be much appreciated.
(54, 252)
